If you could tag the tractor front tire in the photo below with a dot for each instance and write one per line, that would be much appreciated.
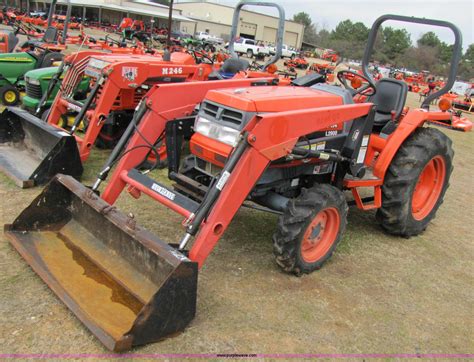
(309, 229)
(9, 95)
(415, 182)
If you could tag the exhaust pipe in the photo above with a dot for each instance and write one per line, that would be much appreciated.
(32, 151)
(127, 286)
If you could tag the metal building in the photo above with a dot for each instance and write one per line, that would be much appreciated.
(217, 19)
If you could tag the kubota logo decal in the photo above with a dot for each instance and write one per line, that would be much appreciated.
(129, 73)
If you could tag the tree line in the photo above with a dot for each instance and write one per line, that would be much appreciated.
(393, 47)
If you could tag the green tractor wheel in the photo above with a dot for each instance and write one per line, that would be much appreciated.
(9, 95)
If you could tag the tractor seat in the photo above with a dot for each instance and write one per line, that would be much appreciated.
(50, 35)
(230, 67)
(391, 96)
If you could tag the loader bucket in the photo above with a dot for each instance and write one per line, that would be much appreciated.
(126, 285)
(32, 151)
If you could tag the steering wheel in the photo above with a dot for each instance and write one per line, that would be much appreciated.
(370, 84)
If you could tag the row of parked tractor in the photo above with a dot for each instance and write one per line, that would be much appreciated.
(230, 134)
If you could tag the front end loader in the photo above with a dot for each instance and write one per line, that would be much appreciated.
(291, 150)
(117, 83)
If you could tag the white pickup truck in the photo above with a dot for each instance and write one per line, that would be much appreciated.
(249, 47)
(286, 51)
(205, 36)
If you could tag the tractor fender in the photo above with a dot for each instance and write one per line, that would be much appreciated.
(410, 122)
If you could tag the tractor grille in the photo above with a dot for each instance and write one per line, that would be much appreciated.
(230, 117)
(33, 90)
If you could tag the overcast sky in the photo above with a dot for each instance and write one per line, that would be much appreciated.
(329, 13)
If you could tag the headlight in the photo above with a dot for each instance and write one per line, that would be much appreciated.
(216, 131)
(32, 81)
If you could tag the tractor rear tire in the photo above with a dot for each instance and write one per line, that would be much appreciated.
(309, 229)
(9, 95)
(415, 182)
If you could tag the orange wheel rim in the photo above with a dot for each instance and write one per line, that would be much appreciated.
(320, 235)
(428, 188)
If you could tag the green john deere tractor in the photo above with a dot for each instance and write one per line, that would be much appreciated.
(39, 96)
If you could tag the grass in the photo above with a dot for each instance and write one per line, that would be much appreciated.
(377, 294)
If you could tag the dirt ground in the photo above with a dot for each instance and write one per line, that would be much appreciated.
(377, 294)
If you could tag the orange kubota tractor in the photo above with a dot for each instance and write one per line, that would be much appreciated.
(287, 150)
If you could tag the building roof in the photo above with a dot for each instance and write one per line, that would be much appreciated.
(161, 11)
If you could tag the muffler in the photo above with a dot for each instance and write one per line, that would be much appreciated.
(32, 151)
(126, 285)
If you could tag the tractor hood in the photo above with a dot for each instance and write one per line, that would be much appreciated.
(42, 73)
(225, 112)
(274, 99)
